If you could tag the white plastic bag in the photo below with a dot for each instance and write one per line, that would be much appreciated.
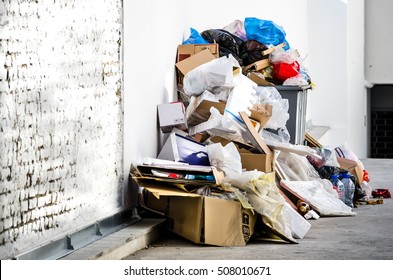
(322, 201)
(226, 159)
(264, 196)
(215, 73)
(280, 115)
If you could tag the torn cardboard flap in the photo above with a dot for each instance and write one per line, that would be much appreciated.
(194, 61)
(351, 166)
(202, 112)
(259, 79)
(255, 138)
(261, 113)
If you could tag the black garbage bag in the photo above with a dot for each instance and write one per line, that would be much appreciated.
(228, 43)
(253, 52)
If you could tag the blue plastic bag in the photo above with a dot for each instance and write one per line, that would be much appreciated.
(195, 38)
(265, 31)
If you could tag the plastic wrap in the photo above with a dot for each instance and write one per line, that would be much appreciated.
(297, 167)
(236, 27)
(345, 151)
(322, 201)
(264, 196)
(279, 55)
(280, 115)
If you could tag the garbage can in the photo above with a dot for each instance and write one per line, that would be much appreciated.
(297, 99)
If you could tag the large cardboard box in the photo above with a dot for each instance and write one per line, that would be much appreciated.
(201, 219)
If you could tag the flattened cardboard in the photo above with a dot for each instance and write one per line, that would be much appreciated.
(258, 78)
(144, 173)
(261, 113)
(194, 61)
(256, 140)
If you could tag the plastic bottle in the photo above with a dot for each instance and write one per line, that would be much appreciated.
(349, 189)
(338, 186)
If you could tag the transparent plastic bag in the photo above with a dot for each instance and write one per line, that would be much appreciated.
(264, 196)
(280, 115)
(280, 55)
(316, 195)
(237, 28)
(345, 151)
(297, 167)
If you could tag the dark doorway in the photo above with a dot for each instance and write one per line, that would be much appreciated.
(381, 121)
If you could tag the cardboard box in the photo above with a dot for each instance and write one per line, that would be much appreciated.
(201, 219)
(186, 51)
(261, 113)
(194, 61)
(171, 115)
(250, 158)
(202, 112)
(351, 166)
(266, 162)
(258, 161)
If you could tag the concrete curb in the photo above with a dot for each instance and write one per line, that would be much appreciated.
(121, 243)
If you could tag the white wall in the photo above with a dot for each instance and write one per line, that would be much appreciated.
(336, 44)
(356, 135)
(152, 31)
(379, 41)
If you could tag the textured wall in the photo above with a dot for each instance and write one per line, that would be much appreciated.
(60, 118)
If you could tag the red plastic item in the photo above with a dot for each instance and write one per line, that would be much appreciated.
(366, 177)
(385, 193)
(283, 71)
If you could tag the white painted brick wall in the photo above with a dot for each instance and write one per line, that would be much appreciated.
(61, 118)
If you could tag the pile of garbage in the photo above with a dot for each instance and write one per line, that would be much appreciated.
(227, 172)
